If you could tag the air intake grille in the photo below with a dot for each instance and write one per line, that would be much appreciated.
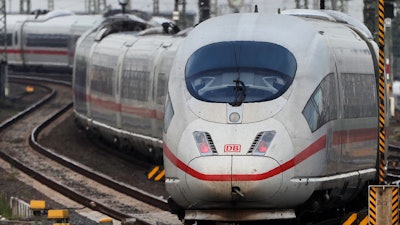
(254, 144)
(211, 143)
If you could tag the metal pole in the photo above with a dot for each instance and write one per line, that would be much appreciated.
(381, 94)
(204, 8)
(184, 21)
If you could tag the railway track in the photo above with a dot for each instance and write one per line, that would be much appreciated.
(393, 170)
(83, 185)
(393, 151)
(19, 146)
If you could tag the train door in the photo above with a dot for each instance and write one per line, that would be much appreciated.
(333, 137)
(15, 55)
(81, 77)
(137, 111)
(167, 57)
(75, 32)
(119, 80)
(34, 42)
(334, 129)
(358, 135)
(162, 67)
(71, 48)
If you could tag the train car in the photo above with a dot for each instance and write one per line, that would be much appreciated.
(46, 40)
(271, 116)
(120, 79)
(266, 116)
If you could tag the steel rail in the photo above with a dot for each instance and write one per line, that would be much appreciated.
(90, 203)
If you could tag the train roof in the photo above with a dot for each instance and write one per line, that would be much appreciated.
(312, 40)
(331, 15)
(59, 18)
(290, 32)
(298, 33)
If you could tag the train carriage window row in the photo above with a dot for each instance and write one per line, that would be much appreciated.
(102, 80)
(132, 84)
(359, 95)
(47, 40)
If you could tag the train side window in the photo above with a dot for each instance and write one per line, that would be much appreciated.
(317, 97)
(161, 88)
(9, 39)
(47, 40)
(322, 106)
(102, 80)
(132, 84)
(359, 95)
(311, 115)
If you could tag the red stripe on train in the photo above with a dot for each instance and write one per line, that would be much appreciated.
(317, 146)
(303, 155)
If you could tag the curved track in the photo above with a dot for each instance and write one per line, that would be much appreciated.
(19, 138)
(100, 192)
(393, 170)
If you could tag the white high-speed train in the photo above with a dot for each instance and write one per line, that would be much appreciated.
(266, 116)
(44, 41)
(120, 80)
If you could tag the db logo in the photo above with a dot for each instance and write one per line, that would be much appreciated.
(232, 148)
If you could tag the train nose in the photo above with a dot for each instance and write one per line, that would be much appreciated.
(233, 178)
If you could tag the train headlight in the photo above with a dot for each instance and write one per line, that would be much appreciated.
(234, 117)
(204, 143)
(263, 142)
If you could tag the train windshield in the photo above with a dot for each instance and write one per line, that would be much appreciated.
(240, 72)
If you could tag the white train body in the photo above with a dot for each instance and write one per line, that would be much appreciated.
(120, 81)
(307, 127)
(47, 40)
(264, 114)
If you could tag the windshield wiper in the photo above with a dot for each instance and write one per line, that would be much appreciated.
(240, 92)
